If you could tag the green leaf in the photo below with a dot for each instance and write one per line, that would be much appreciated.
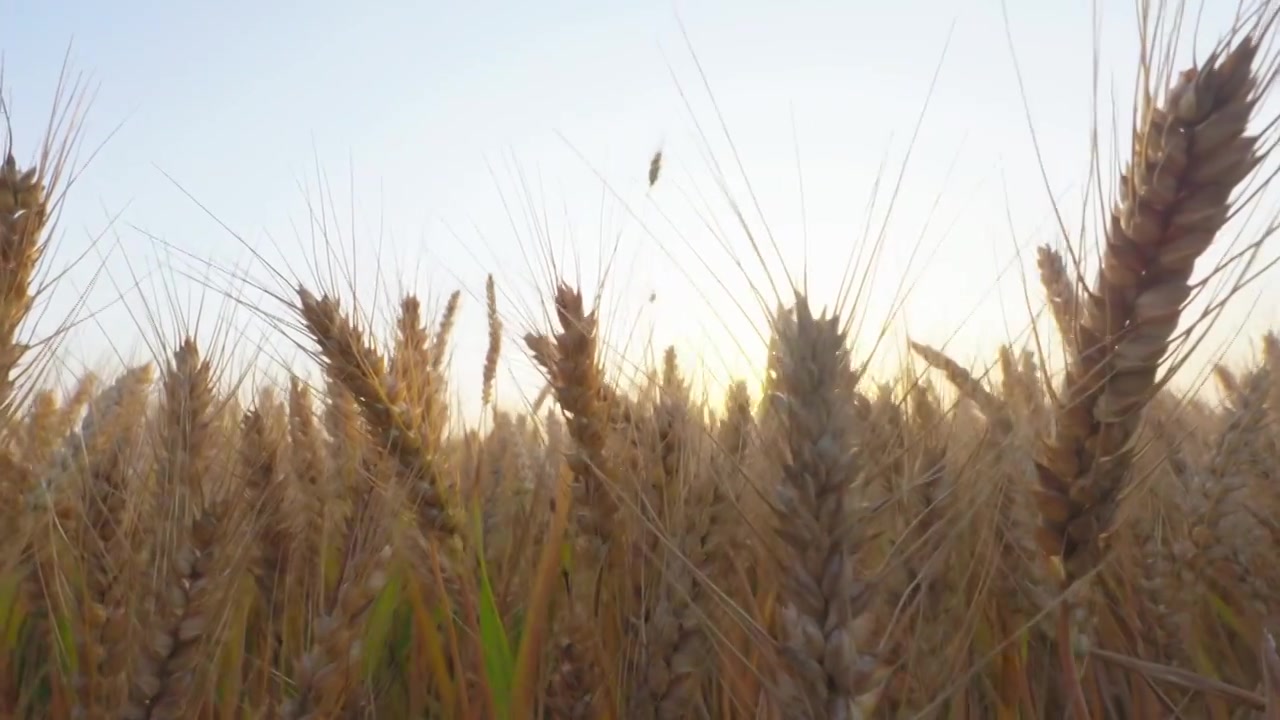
(499, 660)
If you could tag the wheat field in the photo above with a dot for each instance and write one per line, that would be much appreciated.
(1082, 544)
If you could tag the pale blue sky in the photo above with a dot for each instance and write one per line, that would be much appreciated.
(438, 110)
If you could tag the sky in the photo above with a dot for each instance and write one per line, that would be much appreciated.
(232, 150)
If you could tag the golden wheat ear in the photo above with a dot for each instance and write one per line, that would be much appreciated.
(826, 620)
(24, 209)
(570, 361)
(1190, 153)
(494, 350)
(354, 364)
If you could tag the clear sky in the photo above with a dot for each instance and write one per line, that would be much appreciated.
(455, 139)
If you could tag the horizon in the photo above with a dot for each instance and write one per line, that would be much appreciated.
(485, 169)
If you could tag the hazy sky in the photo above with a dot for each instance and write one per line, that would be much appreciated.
(449, 140)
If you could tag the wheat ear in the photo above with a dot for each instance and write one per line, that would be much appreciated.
(1060, 291)
(361, 370)
(185, 462)
(573, 371)
(825, 620)
(23, 212)
(1189, 154)
(111, 435)
(495, 342)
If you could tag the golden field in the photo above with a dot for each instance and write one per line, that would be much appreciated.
(1084, 544)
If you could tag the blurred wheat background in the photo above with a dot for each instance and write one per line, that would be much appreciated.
(866, 459)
